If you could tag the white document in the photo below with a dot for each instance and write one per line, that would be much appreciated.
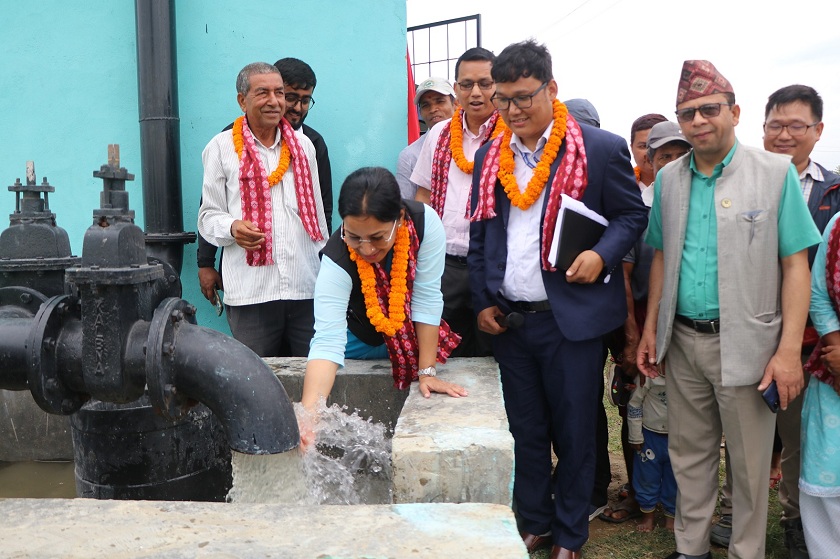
(569, 203)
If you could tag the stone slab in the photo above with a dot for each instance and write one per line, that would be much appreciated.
(84, 528)
(455, 450)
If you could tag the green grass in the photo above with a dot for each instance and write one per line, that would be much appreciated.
(622, 541)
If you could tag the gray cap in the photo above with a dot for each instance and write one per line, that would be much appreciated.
(663, 133)
(583, 111)
(433, 84)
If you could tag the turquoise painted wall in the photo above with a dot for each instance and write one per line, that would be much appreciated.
(69, 88)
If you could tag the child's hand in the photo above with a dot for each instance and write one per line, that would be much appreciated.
(636, 446)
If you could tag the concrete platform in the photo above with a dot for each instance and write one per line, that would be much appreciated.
(455, 450)
(444, 450)
(84, 528)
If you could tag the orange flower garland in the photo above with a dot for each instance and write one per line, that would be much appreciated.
(638, 172)
(456, 140)
(391, 324)
(524, 200)
(285, 152)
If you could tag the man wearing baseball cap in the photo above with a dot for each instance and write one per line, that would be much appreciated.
(728, 298)
(666, 143)
(435, 100)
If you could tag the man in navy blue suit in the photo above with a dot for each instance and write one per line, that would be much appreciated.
(550, 359)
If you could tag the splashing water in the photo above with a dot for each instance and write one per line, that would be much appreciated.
(349, 464)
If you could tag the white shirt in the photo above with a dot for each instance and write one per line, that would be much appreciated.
(523, 270)
(296, 263)
(455, 222)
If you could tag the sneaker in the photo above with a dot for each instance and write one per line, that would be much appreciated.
(795, 539)
(722, 531)
(594, 511)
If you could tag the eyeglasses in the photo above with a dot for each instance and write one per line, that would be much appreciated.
(293, 99)
(468, 85)
(521, 101)
(708, 111)
(377, 241)
(795, 129)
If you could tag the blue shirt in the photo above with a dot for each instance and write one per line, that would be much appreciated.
(822, 311)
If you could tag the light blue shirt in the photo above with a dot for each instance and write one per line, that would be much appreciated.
(822, 311)
(333, 287)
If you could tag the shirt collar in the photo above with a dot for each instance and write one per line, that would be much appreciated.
(720, 166)
(482, 130)
(277, 137)
(813, 170)
(517, 144)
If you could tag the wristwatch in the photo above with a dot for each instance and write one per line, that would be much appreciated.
(430, 371)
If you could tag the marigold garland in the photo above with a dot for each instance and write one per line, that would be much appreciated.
(391, 324)
(456, 140)
(638, 172)
(524, 200)
(285, 152)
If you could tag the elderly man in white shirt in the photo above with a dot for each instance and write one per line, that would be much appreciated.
(271, 248)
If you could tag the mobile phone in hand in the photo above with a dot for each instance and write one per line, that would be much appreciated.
(771, 397)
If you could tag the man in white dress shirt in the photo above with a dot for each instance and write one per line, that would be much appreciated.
(271, 252)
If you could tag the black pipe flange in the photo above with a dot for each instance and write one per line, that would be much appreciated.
(45, 383)
(20, 302)
(160, 351)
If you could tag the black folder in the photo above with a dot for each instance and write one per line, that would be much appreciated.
(577, 234)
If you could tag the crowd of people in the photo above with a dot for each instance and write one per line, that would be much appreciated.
(698, 288)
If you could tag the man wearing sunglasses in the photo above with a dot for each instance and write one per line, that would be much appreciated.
(299, 81)
(728, 298)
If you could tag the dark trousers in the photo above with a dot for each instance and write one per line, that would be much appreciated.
(274, 328)
(458, 309)
(551, 389)
(603, 476)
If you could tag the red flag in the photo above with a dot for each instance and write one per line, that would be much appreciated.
(413, 118)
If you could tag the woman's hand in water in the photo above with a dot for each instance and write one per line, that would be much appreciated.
(306, 426)
(436, 384)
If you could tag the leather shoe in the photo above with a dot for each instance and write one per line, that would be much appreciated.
(533, 542)
(558, 552)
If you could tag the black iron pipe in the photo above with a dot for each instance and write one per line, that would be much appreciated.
(240, 389)
(14, 333)
(160, 136)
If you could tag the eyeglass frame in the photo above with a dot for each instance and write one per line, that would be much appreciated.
(376, 243)
(787, 127)
(702, 109)
(486, 87)
(496, 100)
(306, 101)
